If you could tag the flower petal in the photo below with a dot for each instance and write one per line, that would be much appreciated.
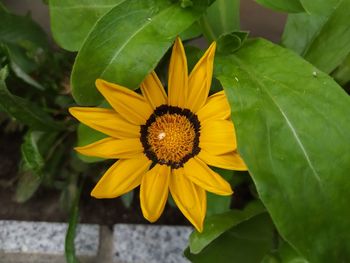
(154, 192)
(132, 106)
(231, 161)
(190, 198)
(216, 108)
(178, 76)
(106, 121)
(111, 148)
(200, 174)
(218, 137)
(200, 80)
(121, 177)
(153, 91)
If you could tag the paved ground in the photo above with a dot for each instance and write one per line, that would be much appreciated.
(42, 242)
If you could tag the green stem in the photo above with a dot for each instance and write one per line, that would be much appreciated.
(69, 247)
(207, 29)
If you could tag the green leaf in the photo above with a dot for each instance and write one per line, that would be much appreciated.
(323, 40)
(319, 6)
(193, 55)
(23, 110)
(249, 241)
(28, 184)
(229, 43)
(217, 203)
(186, 3)
(288, 255)
(192, 32)
(24, 39)
(222, 17)
(71, 21)
(127, 43)
(3, 8)
(127, 199)
(21, 31)
(289, 6)
(20, 64)
(342, 73)
(33, 161)
(292, 124)
(20, 73)
(18, 56)
(86, 135)
(216, 225)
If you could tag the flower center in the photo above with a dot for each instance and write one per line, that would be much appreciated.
(171, 136)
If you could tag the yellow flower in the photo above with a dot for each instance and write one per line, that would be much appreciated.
(165, 142)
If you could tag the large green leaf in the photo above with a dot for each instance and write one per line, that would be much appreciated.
(247, 242)
(290, 6)
(319, 6)
(292, 125)
(222, 17)
(72, 20)
(342, 73)
(323, 40)
(288, 255)
(23, 110)
(216, 225)
(128, 42)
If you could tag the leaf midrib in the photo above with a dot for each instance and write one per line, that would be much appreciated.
(318, 32)
(133, 34)
(280, 109)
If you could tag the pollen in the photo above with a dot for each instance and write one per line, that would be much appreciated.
(171, 136)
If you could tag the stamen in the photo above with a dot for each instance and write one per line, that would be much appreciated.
(171, 136)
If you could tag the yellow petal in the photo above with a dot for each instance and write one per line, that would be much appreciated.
(132, 106)
(111, 148)
(153, 91)
(200, 80)
(200, 174)
(218, 137)
(178, 76)
(231, 161)
(154, 192)
(121, 177)
(216, 108)
(190, 198)
(106, 121)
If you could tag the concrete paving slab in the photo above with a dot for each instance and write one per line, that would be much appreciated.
(150, 243)
(46, 238)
